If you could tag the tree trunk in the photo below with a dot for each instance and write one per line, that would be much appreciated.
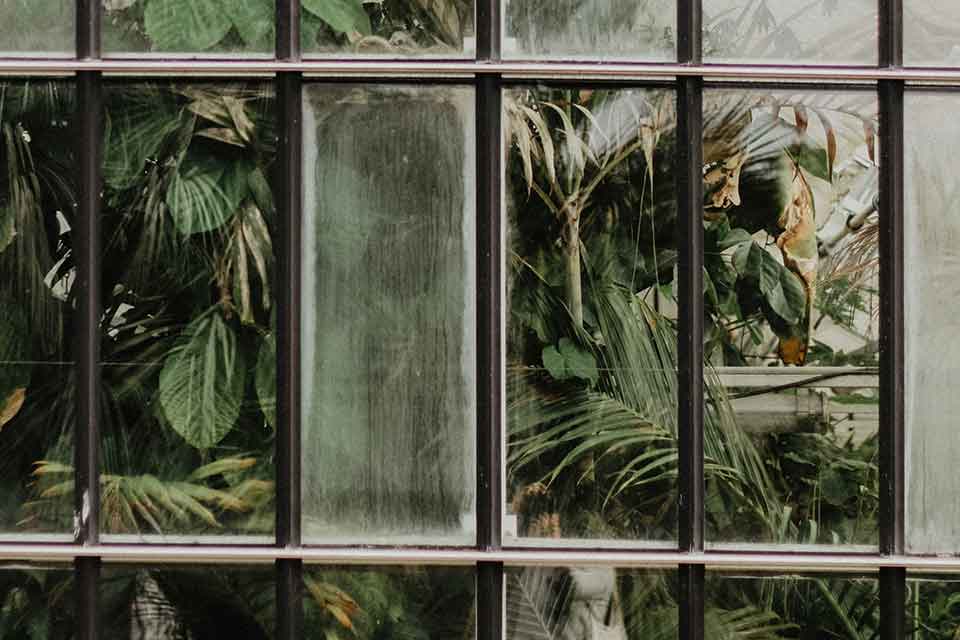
(571, 249)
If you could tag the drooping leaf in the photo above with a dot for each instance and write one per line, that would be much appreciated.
(568, 360)
(10, 406)
(265, 379)
(249, 251)
(781, 288)
(345, 16)
(201, 382)
(197, 25)
(196, 198)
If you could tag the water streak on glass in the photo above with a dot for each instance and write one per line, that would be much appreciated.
(791, 329)
(38, 193)
(591, 260)
(389, 373)
(931, 33)
(932, 265)
(189, 321)
(388, 28)
(590, 29)
(430, 603)
(788, 32)
(197, 27)
(154, 603)
(808, 606)
(37, 27)
(593, 603)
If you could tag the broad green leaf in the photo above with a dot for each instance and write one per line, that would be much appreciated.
(567, 360)
(196, 25)
(201, 383)
(196, 198)
(346, 16)
(265, 379)
(781, 288)
(253, 20)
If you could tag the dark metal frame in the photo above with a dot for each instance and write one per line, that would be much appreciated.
(488, 74)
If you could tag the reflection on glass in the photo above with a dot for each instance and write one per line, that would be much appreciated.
(800, 607)
(32, 27)
(591, 333)
(787, 32)
(931, 612)
(389, 396)
(604, 29)
(37, 602)
(388, 28)
(931, 33)
(368, 603)
(37, 379)
(189, 27)
(931, 258)
(147, 603)
(592, 603)
(791, 335)
(188, 315)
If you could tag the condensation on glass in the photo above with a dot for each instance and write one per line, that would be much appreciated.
(590, 29)
(188, 27)
(388, 28)
(931, 267)
(791, 606)
(37, 299)
(389, 314)
(38, 601)
(37, 27)
(791, 297)
(590, 602)
(389, 602)
(152, 602)
(591, 314)
(931, 33)
(931, 606)
(188, 329)
(788, 32)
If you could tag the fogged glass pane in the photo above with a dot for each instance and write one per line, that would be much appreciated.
(593, 29)
(787, 32)
(189, 27)
(37, 602)
(388, 28)
(791, 299)
(593, 603)
(32, 27)
(37, 297)
(931, 607)
(389, 350)
(931, 233)
(188, 348)
(931, 32)
(591, 322)
(147, 603)
(431, 603)
(801, 607)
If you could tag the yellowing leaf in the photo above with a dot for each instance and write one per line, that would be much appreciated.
(12, 405)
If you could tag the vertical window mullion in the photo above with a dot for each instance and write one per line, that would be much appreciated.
(289, 187)
(488, 30)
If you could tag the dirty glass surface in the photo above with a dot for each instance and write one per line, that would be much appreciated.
(37, 27)
(791, 297)
(591, 320)
(931, 33)
(388, 314)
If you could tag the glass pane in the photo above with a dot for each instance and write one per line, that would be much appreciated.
(38, 196)
(590, 29)
(188, 327)
(593, 603)
(147, 603)
(791, 335)
(37, 602)
(34, 27)
(591, 322)
(799, 607)
(932, 607)
(931, 33)
(788, 32)
(931, 233)
(429, 603)
(388, 28)
(210, 27)
(389, 309)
